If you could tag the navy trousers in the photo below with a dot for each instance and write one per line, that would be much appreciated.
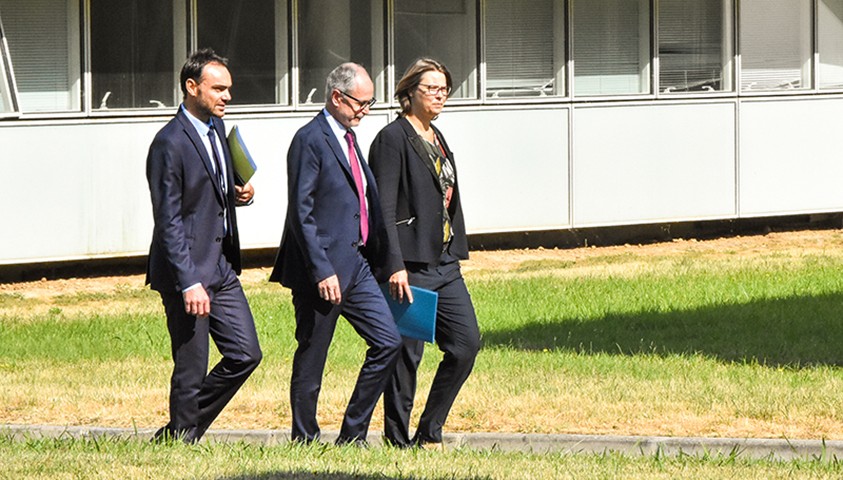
(366, 310)
(457, 336)
(196, 395)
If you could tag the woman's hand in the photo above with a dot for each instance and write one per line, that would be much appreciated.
(399, 286)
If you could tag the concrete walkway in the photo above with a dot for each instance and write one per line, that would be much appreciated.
(778, 449)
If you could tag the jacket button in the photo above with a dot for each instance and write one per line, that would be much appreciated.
(218, 239)
(357, 215)
(219, 214)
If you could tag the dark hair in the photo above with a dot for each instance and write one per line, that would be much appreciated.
(196, 63)
(412, 77)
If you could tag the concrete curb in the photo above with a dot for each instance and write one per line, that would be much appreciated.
(775, 449)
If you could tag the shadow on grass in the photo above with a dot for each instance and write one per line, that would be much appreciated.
(332, 476)
(792, 332)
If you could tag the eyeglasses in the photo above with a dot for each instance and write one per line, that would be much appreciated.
(434, 90)
(360, 103)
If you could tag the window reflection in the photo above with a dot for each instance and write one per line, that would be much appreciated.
(252, 35)
(332, 32)
(525, 48)
(133, 58)
(611, 47)
(776, 43)
(695, 45)
(43, 40)
(443, 29)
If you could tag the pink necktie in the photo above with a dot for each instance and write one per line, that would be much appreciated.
(358, 181)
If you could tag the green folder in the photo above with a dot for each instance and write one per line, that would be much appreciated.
(418, 319)
(244, 165)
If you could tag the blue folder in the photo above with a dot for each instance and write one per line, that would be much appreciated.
(418, 319)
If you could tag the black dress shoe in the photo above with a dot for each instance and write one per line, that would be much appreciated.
(166, 434)
(356, 442)
(162, 435)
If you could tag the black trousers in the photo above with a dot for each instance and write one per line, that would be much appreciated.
(197, 396)
(365, 308)
(457, 336)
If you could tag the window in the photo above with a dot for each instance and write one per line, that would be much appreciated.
(137, 49)
(252, 34)
(611, 47)
(830, 69)
(695, 45)
(775, 44)
(445, 30)
(8, 101)
(43, 41)
(332, 32)
(525, 48)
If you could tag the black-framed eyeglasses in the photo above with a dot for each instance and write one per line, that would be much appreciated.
(361, 103)
(434, 90)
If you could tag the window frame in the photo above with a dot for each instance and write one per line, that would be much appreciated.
(811, 59)
(478, 74)
(561, 59)
(288, 66)
(650, 75)
(7, 77)
(729, 50)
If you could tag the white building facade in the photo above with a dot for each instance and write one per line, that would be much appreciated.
(565, 114)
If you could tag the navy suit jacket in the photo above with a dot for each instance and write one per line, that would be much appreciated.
(187, 205)
(322, 230)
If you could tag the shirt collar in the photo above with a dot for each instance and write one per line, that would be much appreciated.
(201, 127)
(338, 128)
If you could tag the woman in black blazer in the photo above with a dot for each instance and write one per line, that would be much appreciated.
(420, 199)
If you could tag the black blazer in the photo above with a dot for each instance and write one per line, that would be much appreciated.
(322, 229)
(411, 198)
(187, 206)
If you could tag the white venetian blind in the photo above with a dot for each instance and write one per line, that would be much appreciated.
(691, 45)
(775, 44)
(44, 49)
(520, 46)
(830, 70)
(611, 47)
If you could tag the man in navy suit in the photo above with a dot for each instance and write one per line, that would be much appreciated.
(195, 254)
(333, 234)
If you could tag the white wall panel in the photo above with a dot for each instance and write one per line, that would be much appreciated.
(644, 164)
(791, 157)
(512, 167)
(268, 139)
(74, 190)
(80, 191)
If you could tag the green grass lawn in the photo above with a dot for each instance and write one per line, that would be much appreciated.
(697, 344)
(110, 459)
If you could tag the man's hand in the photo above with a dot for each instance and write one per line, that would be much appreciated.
(196, 302)
(329, 289)
(244, 194)
(399, 286)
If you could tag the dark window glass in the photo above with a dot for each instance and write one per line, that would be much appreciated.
(244, 31)
(132, 54)
(332, 32)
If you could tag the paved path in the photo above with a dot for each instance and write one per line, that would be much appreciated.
(779, 449)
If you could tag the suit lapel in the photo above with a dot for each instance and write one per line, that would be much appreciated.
(417, 142)
(193, 135)
(339, 153)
